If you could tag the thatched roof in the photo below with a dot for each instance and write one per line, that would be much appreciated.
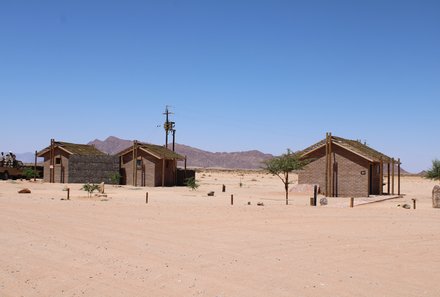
(73, 149)
(157, 151)
(354, 146)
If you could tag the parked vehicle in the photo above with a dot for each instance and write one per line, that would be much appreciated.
(10, 167)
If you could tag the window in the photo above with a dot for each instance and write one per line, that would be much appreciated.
(58, 160)
(139, 164)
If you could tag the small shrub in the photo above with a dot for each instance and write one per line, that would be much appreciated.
(434, 172)
(191, 183)
(30, 173)
(115, 178)
(90, 188)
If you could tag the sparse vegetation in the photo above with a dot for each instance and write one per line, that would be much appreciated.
(30, 173)
(434, 172)
(115, 178)
(281, 166)
(90, 188)
(192, 183)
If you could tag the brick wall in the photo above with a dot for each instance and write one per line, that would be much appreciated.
(352, 177)
(314, 173)
(352, 172)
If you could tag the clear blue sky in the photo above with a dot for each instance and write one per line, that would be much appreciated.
(239, 75)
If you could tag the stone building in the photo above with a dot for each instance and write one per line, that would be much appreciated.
(149, 165)
(348, 168)
(77, 163)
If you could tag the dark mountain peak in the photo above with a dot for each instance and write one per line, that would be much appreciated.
(111, 145)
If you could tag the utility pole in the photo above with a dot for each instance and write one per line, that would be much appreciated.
(169, 127)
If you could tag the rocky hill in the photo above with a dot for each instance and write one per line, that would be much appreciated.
(112, 145)
(235, 160)
(195, 157)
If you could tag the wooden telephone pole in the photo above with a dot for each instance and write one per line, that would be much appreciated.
(169, 127)
(329, 166)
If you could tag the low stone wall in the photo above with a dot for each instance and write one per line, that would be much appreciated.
(92, 169)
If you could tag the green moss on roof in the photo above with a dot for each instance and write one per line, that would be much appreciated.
(161, 151)
(74, 149)
(79, 149)
(353, 145)
(157, 150)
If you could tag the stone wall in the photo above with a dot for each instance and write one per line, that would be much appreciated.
(92, 169)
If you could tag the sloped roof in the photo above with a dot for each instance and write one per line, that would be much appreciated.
(73, 149)
(354, 146)
(157, 151)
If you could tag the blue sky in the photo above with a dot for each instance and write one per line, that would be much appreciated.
(239, 75)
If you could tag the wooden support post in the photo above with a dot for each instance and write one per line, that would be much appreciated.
(136, 167)
(392, 173)
(315, 195)
(388, 178)
(330, 165)
(398, 176)
(223, 188)
(184, 174)
(35, 166)
(61, 170)
(163, 172)
(52, 163)
(232, 199)
(335, 176)
(351, 202)
(326, 165)
(134, 163)
(381, 177)
(68, 193)
(146, 198)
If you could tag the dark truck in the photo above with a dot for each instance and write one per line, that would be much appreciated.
(10, 167)
(12, 172)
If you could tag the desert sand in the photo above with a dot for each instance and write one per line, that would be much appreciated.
(184, 243)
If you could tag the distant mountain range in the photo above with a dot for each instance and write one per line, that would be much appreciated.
(402, 171)
(195, 157)
(27, 157)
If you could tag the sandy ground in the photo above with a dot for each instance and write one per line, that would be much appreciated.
(184, 243)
